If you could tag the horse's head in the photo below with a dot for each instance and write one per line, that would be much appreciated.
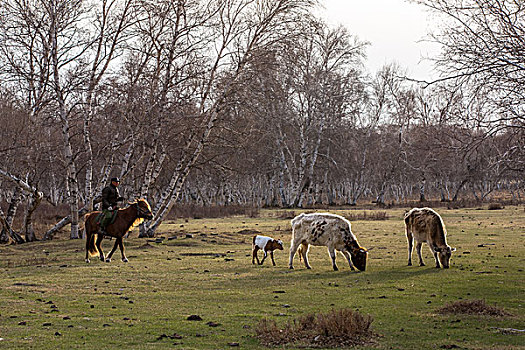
(143, 209)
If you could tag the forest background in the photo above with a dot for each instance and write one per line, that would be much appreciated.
(248, 103)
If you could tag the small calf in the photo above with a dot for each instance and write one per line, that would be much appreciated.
(266, 244)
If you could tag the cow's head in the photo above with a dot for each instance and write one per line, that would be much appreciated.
(279, 244)
(444, 254)
(359, 256)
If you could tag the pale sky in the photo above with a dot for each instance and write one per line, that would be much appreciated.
(394, 28)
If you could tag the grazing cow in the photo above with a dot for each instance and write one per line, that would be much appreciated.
(330, 230)
(266, 244)
(425, 225)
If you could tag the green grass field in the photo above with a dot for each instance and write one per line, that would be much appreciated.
(51, 299)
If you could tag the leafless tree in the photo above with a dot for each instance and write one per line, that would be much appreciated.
(316, 84)
(483, 47)
(235, 32)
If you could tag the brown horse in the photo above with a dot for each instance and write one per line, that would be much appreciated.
(126, 219)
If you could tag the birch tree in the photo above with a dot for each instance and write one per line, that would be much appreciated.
(319, 83)
(25, 72)
(235, 32)
(109, 35)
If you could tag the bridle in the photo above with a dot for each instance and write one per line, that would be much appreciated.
(140, 211)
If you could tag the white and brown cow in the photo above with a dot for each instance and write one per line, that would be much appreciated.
(330, 230)
(266, 244)
(425, 225)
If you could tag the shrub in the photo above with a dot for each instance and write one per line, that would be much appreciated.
(336, 328)
(495, 206)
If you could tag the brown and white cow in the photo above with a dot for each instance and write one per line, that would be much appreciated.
(266, 244)
(330, 230)
(425, 225)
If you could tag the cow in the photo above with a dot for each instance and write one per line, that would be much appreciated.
(266, 244)
(425, 225)
(330, 230)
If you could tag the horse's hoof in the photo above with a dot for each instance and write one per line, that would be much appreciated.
(87, 261)
(108, 260)
(125, 260)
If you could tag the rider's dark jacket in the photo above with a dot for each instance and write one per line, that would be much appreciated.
(110, 197)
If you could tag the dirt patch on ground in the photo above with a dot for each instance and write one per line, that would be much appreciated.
(249, 232)
(145, 246)
(335, 329)
(472, 307)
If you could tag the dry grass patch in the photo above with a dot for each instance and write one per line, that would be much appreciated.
(472, 307)
(354, 215)
(367, 216)
(337, 328)
(186, 211)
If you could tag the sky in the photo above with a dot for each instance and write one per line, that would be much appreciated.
(395, 29)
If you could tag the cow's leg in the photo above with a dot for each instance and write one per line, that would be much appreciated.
(435, 257)
(293, 249)
(108, 257)
(410, 239)
(349, 258)
(264, 257)
(98, 246)
(418, 250)
(121, 246)
(254, 255)
(331, 251)
(271, 255)
(304, 253)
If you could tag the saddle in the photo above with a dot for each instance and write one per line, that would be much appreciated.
(107, 216)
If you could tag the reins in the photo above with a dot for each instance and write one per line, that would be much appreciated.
(140, 211)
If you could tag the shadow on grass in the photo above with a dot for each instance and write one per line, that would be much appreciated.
(384, 275)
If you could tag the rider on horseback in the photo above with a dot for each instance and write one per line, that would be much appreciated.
(110, 197)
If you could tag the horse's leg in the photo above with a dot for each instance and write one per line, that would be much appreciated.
(99, 248)
(121, 245)
(88, 239)
(108, 258)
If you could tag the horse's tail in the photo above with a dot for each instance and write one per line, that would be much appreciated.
(91, 234)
